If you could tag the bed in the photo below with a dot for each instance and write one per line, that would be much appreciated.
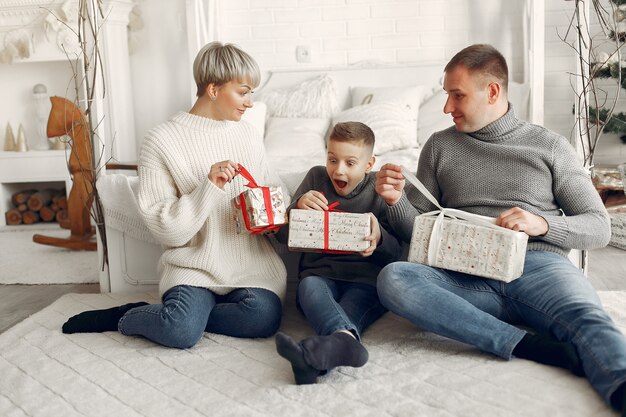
(294, 111)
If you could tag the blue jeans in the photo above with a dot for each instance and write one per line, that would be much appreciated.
(187, 312)
(552, 297)
(332, 305)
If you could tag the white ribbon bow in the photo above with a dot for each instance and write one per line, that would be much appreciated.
(435, 235)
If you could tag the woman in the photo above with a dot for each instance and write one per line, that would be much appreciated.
(211, 278)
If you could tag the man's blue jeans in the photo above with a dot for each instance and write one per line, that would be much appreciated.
(332, 305)
(552, 297)
(187, 312)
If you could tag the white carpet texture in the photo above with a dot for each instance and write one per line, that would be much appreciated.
(23, 261)
(410, 373)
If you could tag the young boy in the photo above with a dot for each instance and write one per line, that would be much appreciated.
(337, 292)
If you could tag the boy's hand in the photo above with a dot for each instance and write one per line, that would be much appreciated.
(390, 183)
(222, 173)
(374, 237)
(313, 200)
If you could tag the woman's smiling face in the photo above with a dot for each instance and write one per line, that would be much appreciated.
(233, 99)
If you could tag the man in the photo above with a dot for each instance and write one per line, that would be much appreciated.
(531, 180)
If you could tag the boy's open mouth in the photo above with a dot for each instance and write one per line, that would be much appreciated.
(341, 184)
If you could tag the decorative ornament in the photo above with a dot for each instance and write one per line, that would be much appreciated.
(18, 42)
(6, 55)
(51, 23)
(21, 145)
(67, 41)
(59, 143)
(135, 24)
(42, 111)
(69, 11)
(135, 21)
(9, 139)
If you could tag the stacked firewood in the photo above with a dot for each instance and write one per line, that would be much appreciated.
(34, 206)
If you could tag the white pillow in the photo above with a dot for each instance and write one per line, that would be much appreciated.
(394, 125)
(313, 98)
(256, 116)
(290, 137)
(410, 96)
(432, 118)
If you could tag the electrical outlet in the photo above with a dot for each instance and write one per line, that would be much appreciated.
(303, 53)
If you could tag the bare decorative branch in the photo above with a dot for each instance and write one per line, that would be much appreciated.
(598, 58)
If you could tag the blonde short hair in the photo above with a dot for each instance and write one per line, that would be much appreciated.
(219, 63)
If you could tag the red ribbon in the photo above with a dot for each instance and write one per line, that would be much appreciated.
(331, 207)
(266, 200)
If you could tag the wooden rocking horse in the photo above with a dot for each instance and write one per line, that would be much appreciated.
(67, 119)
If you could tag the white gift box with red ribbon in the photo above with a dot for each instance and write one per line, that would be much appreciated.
(328, 231)
(465, 242)
(259, 209)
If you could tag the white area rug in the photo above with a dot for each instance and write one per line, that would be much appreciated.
(410, 373)
(23, 261)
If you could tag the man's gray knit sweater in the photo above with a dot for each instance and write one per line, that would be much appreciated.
(509, 163)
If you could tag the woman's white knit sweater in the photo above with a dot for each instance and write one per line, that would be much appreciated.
(193, 218)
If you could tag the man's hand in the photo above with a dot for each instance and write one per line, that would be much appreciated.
(523, 221)
(390, 183)
(313, 200)
(374, 236)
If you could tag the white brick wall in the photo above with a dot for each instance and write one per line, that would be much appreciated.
(342, 32)
(559, 63)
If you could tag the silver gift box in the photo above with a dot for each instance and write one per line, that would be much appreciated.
(256, 211)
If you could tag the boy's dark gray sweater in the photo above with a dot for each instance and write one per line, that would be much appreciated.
(509, 163)
(347, 267)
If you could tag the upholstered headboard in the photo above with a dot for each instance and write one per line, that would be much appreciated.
(370, 75)
(380, 75)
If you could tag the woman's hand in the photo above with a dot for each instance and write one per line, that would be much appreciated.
(374, 236)
(313, 200)
(223, 172)
(390, 183)
(522, 221)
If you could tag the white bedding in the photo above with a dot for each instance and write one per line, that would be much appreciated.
(410, 373)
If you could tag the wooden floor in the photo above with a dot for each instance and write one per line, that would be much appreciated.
(607, 271)
(17, 302)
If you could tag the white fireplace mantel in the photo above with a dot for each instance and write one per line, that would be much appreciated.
(47, 42)
(36, 48)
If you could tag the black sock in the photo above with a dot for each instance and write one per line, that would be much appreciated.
(290, 350)
(98, 321)
(337, 349)
(618, 399)
(549, 351)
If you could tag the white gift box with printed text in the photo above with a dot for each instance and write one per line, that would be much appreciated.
(308, 230)
(470, 248)
(466, 242)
